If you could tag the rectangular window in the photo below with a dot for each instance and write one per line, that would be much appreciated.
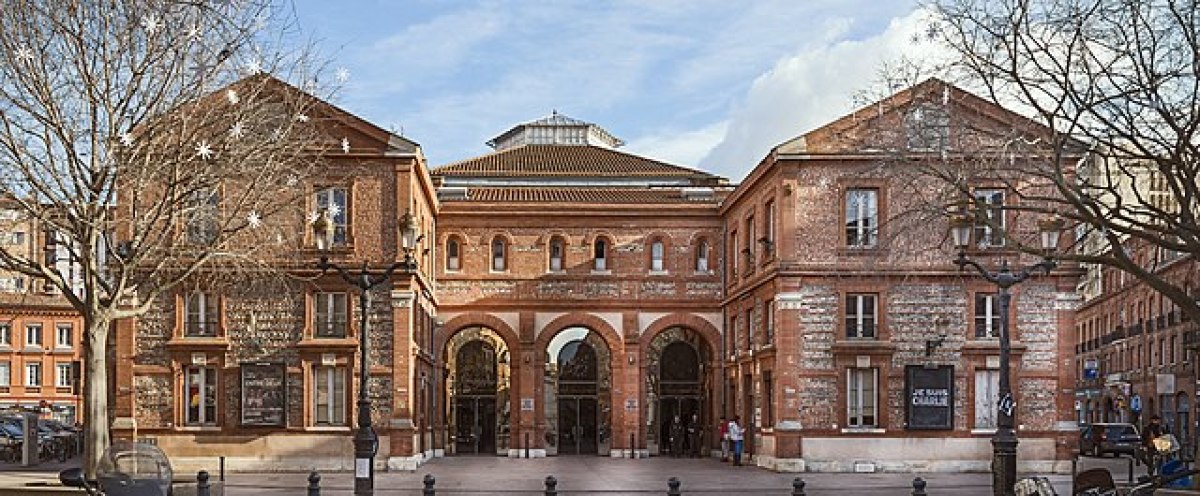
(987, 315)
(750, 242)
(862, 223)
(987, 398)
(751, 323)
(200, 390)
(5, 374)
(329, 395)
(656, 256)
(335, 200)
(62, 375)
(64, 335)
(770, 245)
(17, 238)
(330, 319)
(769, 308)
(734, 253)
(498, 256)
(201, 315)
(33, 335)
(202, 217)
(769, 400)
(860, 315)
(452, 248)
(600, 255)
(33, 374)
(989, 226)
(556, 255)
(5, 334)
(861, 400)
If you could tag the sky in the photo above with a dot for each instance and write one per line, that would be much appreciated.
(707, 84)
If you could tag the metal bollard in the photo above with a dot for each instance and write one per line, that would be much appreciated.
(429, 480)
(551, 486)
(673, 487)
(202, 483)
(526, 445)
(221, 473)
(1131, 470)
(798, 487)
(631, 447)
(314, 483)
(1074, 471)
(919, 487)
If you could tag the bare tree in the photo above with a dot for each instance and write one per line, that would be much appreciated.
(151, 141)
(1119, 77)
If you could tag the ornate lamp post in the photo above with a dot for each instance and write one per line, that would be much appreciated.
(366, 441)
(1004, 442)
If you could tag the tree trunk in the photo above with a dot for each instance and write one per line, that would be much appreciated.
(95, 398)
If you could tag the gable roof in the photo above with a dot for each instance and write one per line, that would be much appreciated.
(567, 161)
(855, 132)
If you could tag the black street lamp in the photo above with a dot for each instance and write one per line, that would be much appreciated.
(366, 441)
(1004, 442)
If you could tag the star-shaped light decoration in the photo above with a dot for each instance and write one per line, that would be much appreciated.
(291, 181)
(277, 134)
(334, 209)
(126, 139)
(237, 130)
(24, 55)
(345, 145)
(254, 67)
(151, 24)
(342, 75)
(253, 220)
(204, 150)
(232, 96)
(301, 117)
(193, 32)
(313, 216)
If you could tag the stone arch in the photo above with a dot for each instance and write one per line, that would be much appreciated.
(475, 319)
(545, 238)
(461, 237)
(612, 338)
(709, 332)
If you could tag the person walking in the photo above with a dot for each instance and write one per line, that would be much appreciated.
(693, 430)
(724, 428)
(677, 437)
(1153, 455)
(735, 437)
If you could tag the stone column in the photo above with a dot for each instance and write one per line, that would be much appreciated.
(401, 428)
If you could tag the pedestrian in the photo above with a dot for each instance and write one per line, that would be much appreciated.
(735, 437)
(724, 427)
(1153, 455)
(677, 437)
(693, 430)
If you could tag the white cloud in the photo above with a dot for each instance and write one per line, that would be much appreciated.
(684, 148)
(811, 88)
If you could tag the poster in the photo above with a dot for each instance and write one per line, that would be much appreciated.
(929, 396)
(264, 394)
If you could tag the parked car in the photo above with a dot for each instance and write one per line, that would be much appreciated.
(1100, 439)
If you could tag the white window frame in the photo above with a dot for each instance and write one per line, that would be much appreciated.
(862, 218)
(64, 336)
(33, 374)
(987, 398)
(702, 256)
(857, 312)
(988, 317)
(5, 334)
(33, 330)
(557, 253)
(769, 308)
(993, 212)
(499, 254)
(207, 379)
(325, 378)
(62, 374)
(453, 255)
(857, 395)
(600, 250)
(205, 307)
(325, 303)
(340, 196)
(657, 252)
(5, 373)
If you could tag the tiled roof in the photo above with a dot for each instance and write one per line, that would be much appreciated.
(582, 195)
(565, 161)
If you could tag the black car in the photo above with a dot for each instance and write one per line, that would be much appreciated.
(1099, 439)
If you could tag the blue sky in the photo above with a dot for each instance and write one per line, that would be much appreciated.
(706, 84)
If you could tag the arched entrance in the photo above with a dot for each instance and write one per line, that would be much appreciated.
(578, 376)
(677, 384)
(478, 387)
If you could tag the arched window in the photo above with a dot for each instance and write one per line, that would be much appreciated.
(601, 254)
(556, 254)
(702, 256)
(452, 255)
(499, 252)
(656, 256)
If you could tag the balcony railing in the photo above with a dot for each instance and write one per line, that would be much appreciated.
(330, 329)
(200, 329)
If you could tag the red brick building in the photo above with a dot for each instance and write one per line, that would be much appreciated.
(572, 298)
